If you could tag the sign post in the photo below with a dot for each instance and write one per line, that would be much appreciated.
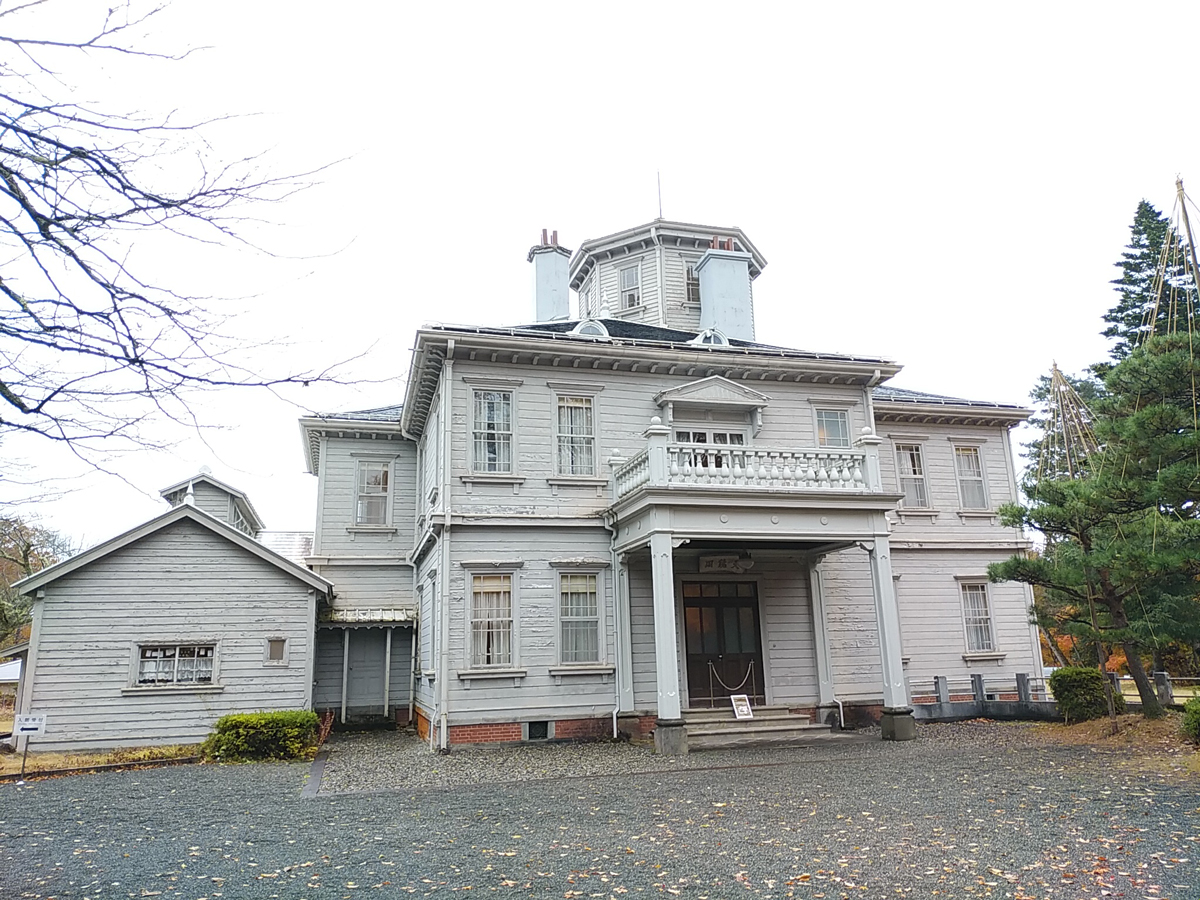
(27, 726)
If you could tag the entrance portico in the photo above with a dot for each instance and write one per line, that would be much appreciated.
(765, 634)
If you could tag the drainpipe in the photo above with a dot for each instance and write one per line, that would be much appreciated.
(443, 677)
(412, 671)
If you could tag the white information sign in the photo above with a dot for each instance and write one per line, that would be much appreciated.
(741, 706)
(26, 725)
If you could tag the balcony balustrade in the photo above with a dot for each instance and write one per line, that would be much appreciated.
(671, 464)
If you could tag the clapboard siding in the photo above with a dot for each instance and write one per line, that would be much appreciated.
(850, 625)
(641, 627)
(212, 500)
(367, 654)
(387, 585)
(786, 611)
(677, 312)
(337, 496)
(623, 409)
(536, 630)
(182, 584)
(929, 596)
(937, 449)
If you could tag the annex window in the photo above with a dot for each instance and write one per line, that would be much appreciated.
(631, 287)
(492, 429)
(372, 504)
(911, 466)
(176, 663)
(833, 428)
(275, 652)
(977, 617)
(970, 478)
(579, 617)
(491, 620)
(692, 279)
(576, 434)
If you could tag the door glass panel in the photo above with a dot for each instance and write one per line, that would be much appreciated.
(745, 589)
(746, 626)
(708, 588)
(692, 618)
(708, 624)
(727, 589)
(691, 589)
(733, 640)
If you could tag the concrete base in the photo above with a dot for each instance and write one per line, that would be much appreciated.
(629, 724)
(898, 724)
(670, 737)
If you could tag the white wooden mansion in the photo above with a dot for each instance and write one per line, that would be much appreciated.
(577, 526)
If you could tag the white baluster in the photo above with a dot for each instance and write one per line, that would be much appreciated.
(739, 471)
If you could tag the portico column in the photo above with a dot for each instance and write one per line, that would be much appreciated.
(897, 722)
(670, 735)
(825, 694)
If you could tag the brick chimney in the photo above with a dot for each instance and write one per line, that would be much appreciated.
(551, 296)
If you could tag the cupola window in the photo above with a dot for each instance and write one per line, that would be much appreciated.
(591, 328)
(712, 337)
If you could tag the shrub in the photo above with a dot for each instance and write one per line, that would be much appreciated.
(265, 735)
(1079, 692)
(1191, 720)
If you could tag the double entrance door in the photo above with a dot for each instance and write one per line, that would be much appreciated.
(724, 653)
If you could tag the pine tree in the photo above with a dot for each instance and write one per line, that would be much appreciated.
(1139, 286)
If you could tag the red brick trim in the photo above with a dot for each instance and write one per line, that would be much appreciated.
(486, 733)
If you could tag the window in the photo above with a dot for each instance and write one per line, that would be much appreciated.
(276, 652)
(576, 436)
(977, 617)
(491, 620)
(579, 615)
(912, 475)
(591, 328)
(176, 664)
(833, 428)
(492, 431)
(631, 287)
(372, 506)
(970, 478)
(711, 337)
(719, 438)
(692, 279)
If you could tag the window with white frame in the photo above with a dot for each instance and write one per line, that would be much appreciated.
(970, 478)
(492, 430)
(631, 287)
(579, 616)
(576, 434)
(371, 507)
(719, 440)
(911, 466)
(977, 617)
(491, 620)
(692, 280)
(165, 664)
(833, 428)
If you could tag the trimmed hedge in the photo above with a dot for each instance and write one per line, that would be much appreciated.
(1079, 692)
(265, 735)
(1191, 720)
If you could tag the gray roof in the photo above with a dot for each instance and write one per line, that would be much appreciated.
(293, 545)
(379, 414)
(903, 395)
(622, 331)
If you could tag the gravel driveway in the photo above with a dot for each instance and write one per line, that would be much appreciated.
(964, 811)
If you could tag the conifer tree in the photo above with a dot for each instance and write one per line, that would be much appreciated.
(1139, 286)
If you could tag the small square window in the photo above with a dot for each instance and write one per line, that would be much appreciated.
(275, 649)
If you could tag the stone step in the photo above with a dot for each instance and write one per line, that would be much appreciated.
(706, 738)
(761, 713)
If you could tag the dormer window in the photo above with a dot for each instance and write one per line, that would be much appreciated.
(591, 328)
(631, 287)
(711, 337)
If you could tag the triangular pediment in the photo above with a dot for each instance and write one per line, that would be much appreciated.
(715, 390)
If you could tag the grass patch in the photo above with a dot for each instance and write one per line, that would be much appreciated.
(1157, 744)
(10, 763)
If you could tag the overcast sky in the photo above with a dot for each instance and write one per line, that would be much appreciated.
(944, 184)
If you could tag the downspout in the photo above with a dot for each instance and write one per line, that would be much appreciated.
(412, 670)
(443, 677)
(616, 595)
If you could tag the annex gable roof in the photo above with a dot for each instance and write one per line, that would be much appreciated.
(170, 517)
(249, 513)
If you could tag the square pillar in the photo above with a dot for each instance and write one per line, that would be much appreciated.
(670, 735)
(897, 721)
